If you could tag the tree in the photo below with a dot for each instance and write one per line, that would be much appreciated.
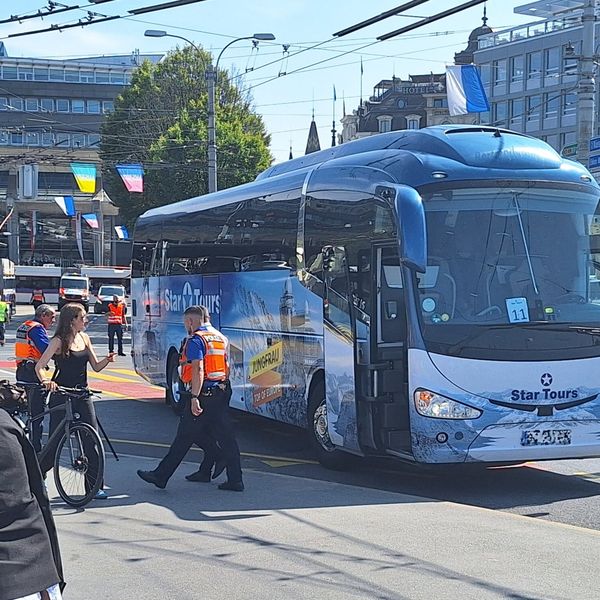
(160, 121)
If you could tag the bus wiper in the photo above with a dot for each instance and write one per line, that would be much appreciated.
(526, 246)
(549, 326)
(463, 343)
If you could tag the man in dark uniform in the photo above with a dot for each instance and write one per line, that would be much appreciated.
(31, 342)
(204, 369)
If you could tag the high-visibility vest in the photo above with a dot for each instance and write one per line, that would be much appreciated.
(116, 312)
(25, 349)
(3, 311)
(215, 356)
(37, 296)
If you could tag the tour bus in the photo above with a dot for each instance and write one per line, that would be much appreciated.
(423, 294)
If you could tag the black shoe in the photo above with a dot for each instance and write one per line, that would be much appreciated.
(220, 466)
(122, 354)
(231, 486)
(199, 476)
(151, 477)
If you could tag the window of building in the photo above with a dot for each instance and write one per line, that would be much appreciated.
(517, 108)
(32, 138)
(93, 107)
(384, 123)
(3, 104)
(440, 103)
(86, 76)
(533, 107)
(551, 105)
(40, 74)
(102, 77)
(569, 105)
(534, 69)
(93, 139)
(78, 140)
(568, 138)
(16, 139)
(25, 73)
(78, 106)
(47, 139)
(31, 104)
(72, 75)
(117, 77)
(4, 138)
(9, 72)
(499, 67)
(484, 71)
(108, 106)
(47, 104)
(551, 66)
(62, 106)
(56, 74)
(499, 113)
(413, 121)
(516, 68)
(63, 140)
(16, 103)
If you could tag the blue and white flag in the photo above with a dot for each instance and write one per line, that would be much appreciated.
(465, 90)
(122, 232)
(67, 204)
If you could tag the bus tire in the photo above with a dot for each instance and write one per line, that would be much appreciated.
(172, 396)
(322, 447)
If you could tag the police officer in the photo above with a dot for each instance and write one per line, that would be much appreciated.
(116, 320)
(31, 343)
(204, 369)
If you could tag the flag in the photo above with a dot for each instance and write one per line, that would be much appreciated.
(92, 220)
(132, 176)
(67, 204)
(465, 90)
(85, 175)
(33, 228)
(122, 232)
(78, 236)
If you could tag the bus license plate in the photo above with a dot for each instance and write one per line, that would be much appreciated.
(546, 437)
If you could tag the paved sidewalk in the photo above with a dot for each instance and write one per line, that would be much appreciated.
(289, 537)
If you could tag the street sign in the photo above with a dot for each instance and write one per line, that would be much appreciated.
(569, 151)
(595, 144)
(594, 161)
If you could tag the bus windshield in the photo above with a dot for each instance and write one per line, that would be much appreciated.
(511, 268)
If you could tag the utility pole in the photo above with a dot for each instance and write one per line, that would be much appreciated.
(211, 77)
(586, 87)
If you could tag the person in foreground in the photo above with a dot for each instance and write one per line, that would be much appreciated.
(71, 349)
(30, 563)
(204, 370)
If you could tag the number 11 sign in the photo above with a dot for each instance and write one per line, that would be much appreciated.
(518, 311)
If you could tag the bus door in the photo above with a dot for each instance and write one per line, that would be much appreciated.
(339, 347)
(151, 295)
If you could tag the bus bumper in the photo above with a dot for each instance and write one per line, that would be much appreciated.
(536, 440)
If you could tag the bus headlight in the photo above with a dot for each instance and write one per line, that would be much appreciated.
(430, 404)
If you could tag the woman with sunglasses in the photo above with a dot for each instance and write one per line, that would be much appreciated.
(72, 350)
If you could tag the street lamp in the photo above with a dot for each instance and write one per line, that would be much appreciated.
(211, 81)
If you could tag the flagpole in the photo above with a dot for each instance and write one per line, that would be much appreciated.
(333, 120)
(361, 81)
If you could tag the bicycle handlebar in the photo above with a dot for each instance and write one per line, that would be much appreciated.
(61, 388)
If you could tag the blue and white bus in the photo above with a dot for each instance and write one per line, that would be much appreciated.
(423, 294)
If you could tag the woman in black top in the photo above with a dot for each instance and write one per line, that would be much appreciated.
(71, 349)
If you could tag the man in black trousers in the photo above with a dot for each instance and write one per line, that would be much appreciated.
(204, 370)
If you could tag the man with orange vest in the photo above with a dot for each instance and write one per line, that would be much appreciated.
(204, 370)
(116, 320)
(31, 342)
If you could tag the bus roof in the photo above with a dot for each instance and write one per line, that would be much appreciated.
(461, 152)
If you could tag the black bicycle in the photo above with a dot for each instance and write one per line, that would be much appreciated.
(78, 459)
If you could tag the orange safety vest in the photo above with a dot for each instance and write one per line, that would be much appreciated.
(25, 349)
(116, 312)
(38, 295)
(215, 356)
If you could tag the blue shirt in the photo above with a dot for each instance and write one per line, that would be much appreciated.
(39, 336)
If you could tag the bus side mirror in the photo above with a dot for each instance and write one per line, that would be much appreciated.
(412, 232)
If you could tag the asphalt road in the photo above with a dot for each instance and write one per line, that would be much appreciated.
(140, 424)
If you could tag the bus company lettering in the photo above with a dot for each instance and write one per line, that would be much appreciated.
(544, 394)
(190, 296)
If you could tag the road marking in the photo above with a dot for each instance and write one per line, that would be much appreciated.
(124, 372)
(281, 460)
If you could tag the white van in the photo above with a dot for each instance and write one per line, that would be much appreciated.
(74, 288)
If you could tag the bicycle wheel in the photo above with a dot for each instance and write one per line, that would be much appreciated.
(79, 464)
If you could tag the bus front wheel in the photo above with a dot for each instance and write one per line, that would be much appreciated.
(173, 395)
(322, 446)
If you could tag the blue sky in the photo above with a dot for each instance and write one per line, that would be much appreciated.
(285, 101)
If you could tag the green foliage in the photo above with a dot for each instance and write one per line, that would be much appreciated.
(160, 121)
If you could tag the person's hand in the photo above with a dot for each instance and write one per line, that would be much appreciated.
(110, 357)
(51, 386)
(196, 408)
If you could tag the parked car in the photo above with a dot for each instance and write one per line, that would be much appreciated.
(105, 295)
(74, 288)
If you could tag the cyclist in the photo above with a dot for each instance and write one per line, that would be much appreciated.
(71, 349)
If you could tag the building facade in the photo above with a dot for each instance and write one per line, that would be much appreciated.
(51, 112)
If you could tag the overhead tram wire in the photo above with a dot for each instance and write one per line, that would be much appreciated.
(50, 11)
(90, 20)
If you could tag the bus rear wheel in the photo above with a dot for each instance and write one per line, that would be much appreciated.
(173, 394)
(322, 446)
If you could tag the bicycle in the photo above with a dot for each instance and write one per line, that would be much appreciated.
(78, 450)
